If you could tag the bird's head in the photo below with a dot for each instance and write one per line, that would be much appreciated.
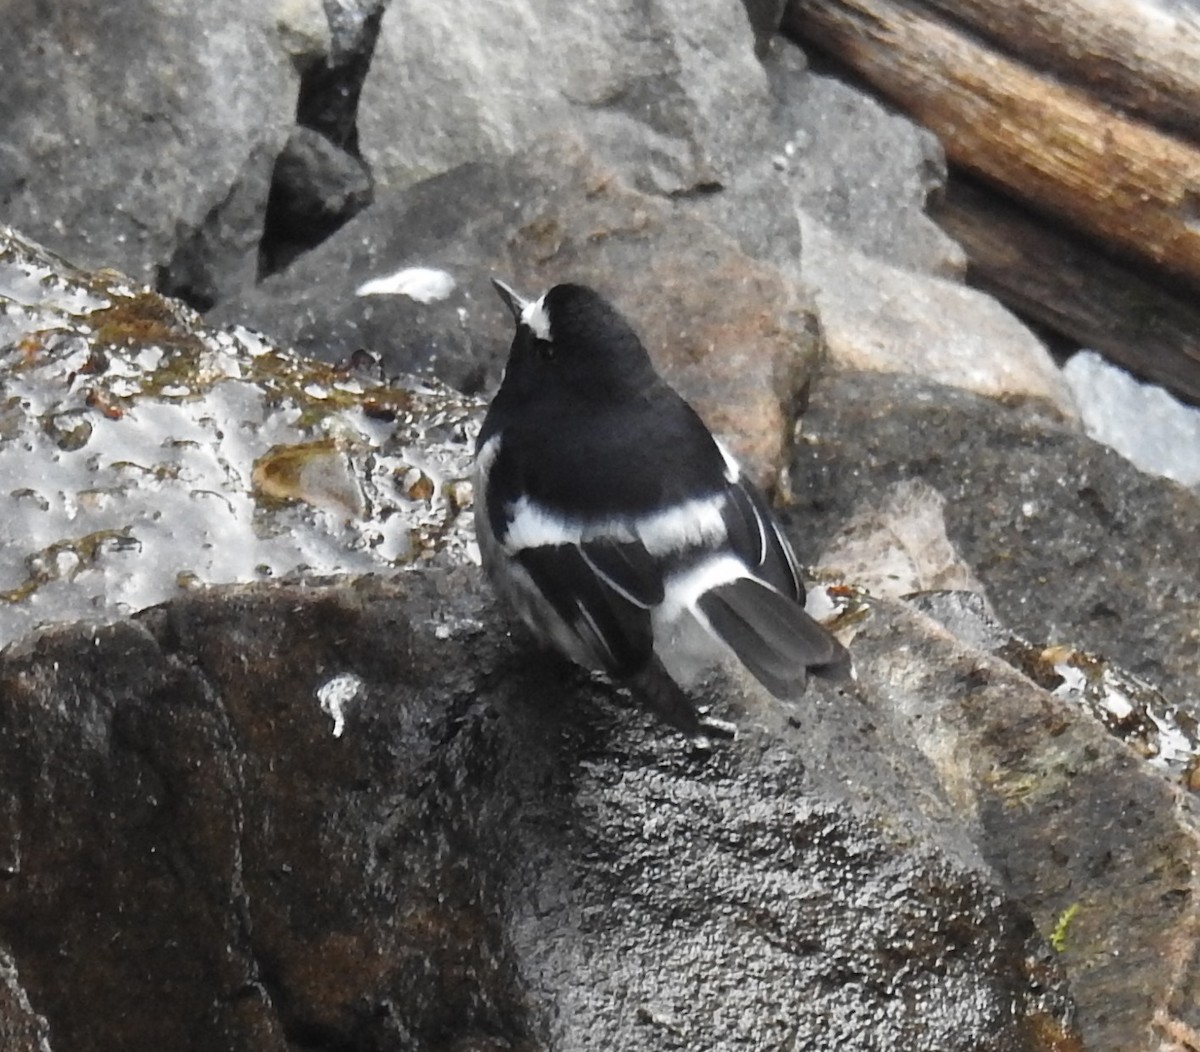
(572, 336)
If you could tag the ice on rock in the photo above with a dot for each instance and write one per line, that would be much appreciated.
(142, 452)
(1140, 421)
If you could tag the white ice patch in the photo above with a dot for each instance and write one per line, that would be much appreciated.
(1175, 748)
(423, 284)
(535, 315)
(1118, 704)
(335, 695)
(1142, 422)
(122, 486)
(1073, 679)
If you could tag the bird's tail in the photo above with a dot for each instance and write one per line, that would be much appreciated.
(772, 635)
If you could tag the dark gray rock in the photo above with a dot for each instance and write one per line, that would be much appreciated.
(1072, 543)
(315, 308)
(316, 187)
(470, 846)
(1098, 845)
(966, 616)
(371, 748)
(360, 817)
(218, 253)
(129, 131)
(321, 179)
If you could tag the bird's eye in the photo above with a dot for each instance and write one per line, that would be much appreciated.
(545, 348)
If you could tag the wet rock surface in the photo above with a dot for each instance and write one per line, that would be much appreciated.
(1068, 542)
(1102, 849)
(484, 857)
(360, 814)
(143, 451)
(21, 1030)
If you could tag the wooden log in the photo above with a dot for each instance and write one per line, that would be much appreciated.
(1051, 145)
(1068, 285)
(1140, 56)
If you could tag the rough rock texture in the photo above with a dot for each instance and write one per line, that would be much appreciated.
(183, 150)
(235, 147)
(860, 868)
(1072, 543)
(735, 332)
(830, 155)
(485, 857)
(875, 316)
(128, 163)
(731, 332)
(1102, 851)
(21, 1030)
(827, 195)
(671, 92)
(358, 815)
(896, 544)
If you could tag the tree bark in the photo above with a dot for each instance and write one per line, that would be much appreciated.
(1068, 285)
(1051, 145)
(1140, 56)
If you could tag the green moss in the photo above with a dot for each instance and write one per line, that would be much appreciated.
(1058, 937)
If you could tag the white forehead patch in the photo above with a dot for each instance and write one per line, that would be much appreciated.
(534, 315)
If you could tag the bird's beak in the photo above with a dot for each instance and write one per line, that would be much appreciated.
(514, 302)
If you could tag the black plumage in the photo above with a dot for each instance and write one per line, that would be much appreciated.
(619, 528)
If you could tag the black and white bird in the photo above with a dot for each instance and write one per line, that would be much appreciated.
(619, 529)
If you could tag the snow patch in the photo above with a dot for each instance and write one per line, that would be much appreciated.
(423, 284)
(1142, 422)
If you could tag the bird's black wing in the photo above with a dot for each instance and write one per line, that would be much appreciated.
(602, 591)
(755, 536)
(600, 585)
